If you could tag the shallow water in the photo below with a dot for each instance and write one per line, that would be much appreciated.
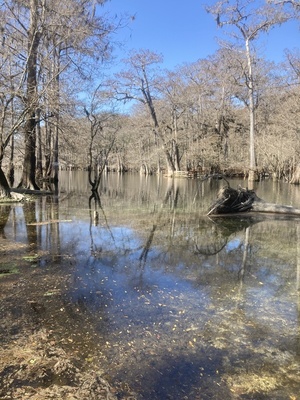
(173, 303)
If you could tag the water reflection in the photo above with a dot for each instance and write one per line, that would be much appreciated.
(174, 303)
(5, 211)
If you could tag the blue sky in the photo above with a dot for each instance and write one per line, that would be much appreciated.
(183, 32)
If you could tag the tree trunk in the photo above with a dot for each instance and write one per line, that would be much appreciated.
(144, 169)
(28, 174)
(176, 155)
(261, 206)
(29, 164)
(39, 164)
(55, 164)
(169, 161)
(157, 129)
(175, 142)
(4, 186)
(252, 165)
(48, 148)
(57, 114)
(11, 170)
(296, 176)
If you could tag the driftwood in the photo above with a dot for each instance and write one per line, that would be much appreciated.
(239, 200)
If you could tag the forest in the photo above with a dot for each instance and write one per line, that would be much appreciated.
(233, 113)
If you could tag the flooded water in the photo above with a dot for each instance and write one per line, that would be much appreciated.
(162, 298)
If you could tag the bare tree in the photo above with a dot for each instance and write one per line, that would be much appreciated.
(103, 129)
(42, 41)
(171, 111)
(210, 92)
(247, 20)
(140, 83)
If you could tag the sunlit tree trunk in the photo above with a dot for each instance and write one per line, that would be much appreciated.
(57, 115)
(11, 168)
(39, 164)
(296, 176)
(252, 161)
(158, 132)
(247, 20)
(175, 142)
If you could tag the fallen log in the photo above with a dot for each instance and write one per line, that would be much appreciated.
(264, 207)
(239, 200)
(40, 192)
(51, 221)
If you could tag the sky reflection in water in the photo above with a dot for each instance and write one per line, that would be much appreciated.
(180, 323)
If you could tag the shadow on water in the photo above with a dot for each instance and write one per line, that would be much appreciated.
(180, 306)
(181, 376)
